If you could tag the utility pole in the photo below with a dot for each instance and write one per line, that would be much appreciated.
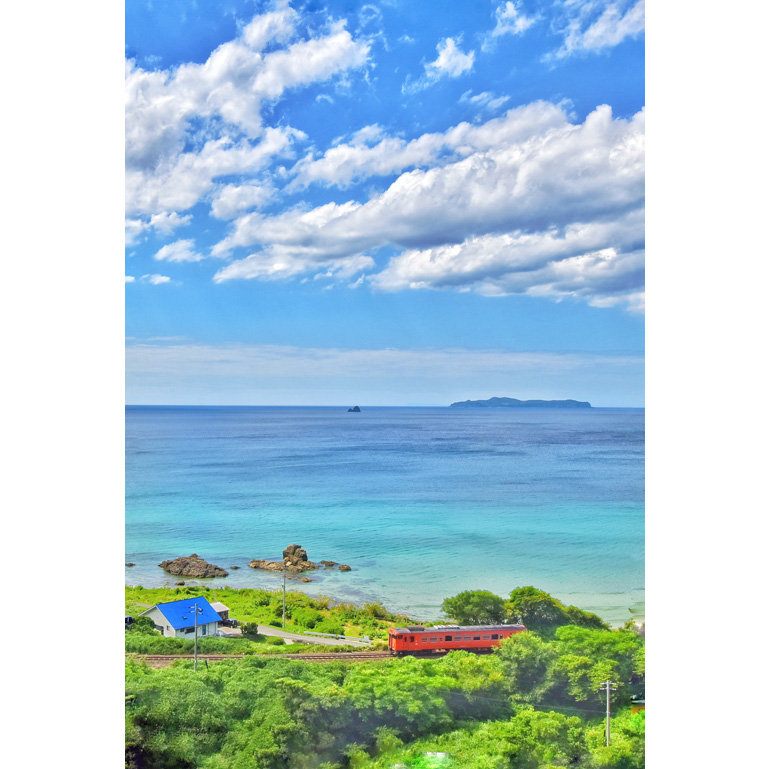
(196, 610)
(284, 599)
(609, 686)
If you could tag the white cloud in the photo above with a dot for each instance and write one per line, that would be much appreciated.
(133, 230)
(180, 251)
(186, 127)
(556, 210)
(179, 182)
(509, 20)
(484, 99)
(573, 262)
(166, 223)
(451, 62)
(370, 153)
(129, 278)
(155, 280)
(233, 199)
(586, 33)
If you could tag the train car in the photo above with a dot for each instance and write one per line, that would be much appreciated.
(416, 638)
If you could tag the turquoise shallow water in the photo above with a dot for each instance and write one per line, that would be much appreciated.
(422, 503)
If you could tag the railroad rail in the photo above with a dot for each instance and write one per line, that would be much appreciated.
(162, 660)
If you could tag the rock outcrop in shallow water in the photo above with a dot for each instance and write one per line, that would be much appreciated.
(192, 566)
(294, 561)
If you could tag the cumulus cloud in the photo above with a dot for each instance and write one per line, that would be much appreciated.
(180, 251)
(188, 126)
(574, 261)
(165, 223)
(371, 153)
(232, 200)
(555, 210)
(451, 62)
(509, 20)
(155, 280)
(129, 278)
(584, 33)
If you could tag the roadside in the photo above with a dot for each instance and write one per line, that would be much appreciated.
(309, 639)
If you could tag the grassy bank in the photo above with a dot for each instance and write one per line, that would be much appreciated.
(265, 607)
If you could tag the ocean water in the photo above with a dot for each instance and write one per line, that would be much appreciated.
(422, 503)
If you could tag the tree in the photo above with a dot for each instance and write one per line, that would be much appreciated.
(542, 613)
(475, 607)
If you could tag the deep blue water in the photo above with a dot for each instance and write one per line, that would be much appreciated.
(422, 503)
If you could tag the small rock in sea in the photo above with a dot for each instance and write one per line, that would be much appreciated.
(130, 564)
(234, 567)
(192, 567)
(294, 561)
(306, 579)
(179, 583)
(345, 567)
(329, 564)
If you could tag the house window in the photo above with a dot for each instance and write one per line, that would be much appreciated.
(204, 629)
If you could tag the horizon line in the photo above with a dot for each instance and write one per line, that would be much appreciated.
(345, 406)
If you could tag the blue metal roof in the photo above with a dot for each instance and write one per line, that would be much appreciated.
(181, 614)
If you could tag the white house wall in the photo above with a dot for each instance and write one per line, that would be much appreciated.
(157, 617)
(168, 631)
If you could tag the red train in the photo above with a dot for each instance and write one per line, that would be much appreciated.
(415, 638)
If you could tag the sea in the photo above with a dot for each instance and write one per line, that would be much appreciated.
(421, 503)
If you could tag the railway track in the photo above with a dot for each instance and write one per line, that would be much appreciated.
(162, 660)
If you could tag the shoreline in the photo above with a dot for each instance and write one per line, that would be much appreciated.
(296, 586)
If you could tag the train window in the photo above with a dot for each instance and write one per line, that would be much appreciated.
(468, 638)
(486, 636)
(433, 639)
(411, 638)
(494, 636)
(449, 638)
(476, 638)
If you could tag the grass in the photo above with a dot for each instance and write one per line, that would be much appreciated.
(265, 607)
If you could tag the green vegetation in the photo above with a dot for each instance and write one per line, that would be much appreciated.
(475, 607)
(534, 704)
(265, 607)
(536, 609)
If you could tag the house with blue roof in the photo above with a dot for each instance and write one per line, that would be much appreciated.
(177, 618)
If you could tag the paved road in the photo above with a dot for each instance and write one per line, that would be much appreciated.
(310, 639)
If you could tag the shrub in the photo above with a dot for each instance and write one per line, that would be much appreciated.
(306, 617)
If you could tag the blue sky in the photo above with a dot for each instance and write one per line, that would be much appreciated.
(389, 203)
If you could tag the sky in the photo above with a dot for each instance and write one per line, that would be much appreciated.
(384, 203)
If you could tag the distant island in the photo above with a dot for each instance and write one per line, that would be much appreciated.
(355, 410)
(516, 404)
